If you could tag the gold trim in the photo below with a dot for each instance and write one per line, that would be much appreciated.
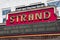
(21, 36)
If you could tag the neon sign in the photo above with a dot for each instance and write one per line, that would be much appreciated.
(34, 16)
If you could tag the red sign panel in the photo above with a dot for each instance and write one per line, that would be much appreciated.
(30, 17)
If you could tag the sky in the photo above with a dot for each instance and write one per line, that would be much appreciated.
(12, 3)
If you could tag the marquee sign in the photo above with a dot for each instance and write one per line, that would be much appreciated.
(46, 14)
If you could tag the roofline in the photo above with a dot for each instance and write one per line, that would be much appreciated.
(34, 9)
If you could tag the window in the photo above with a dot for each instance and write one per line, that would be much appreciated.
(56, 3)
(5, 11)
(40, 5)
(24, 8)
(20, 8)
(17, 9)
(33, 6)
(4, 20)
(28, 7)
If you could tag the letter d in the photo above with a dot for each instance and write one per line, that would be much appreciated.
(48, 15)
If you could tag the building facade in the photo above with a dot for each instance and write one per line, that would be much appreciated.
(55, 3)
(4, 13)
(28, 30)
